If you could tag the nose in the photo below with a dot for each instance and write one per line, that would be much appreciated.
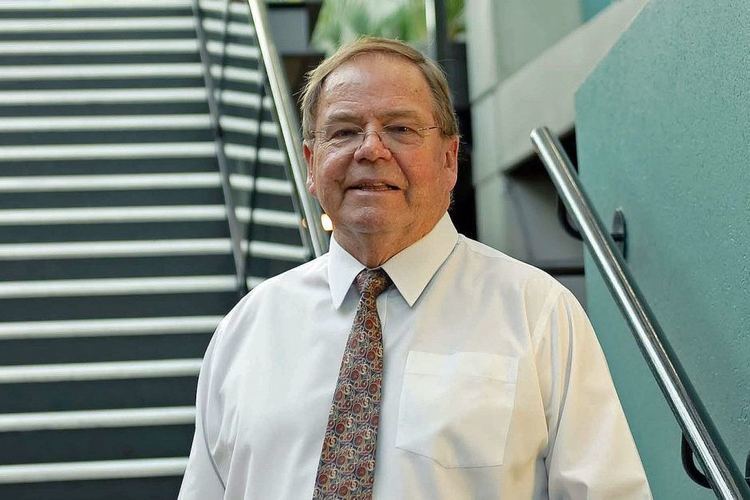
(372, 148)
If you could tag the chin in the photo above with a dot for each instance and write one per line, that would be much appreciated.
(369, 221)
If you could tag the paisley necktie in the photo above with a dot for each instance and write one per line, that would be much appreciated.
(347, 461)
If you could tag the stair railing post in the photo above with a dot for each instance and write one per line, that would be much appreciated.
(235, 232)
(314, 235)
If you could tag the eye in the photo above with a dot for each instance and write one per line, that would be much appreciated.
(342, 133)
(399, 130)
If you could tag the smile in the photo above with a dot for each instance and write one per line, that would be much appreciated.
(375, 187)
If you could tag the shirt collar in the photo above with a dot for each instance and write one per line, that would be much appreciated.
(411, 269)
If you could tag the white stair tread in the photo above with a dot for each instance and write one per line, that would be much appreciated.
(108, 327)
(161, 213)
(117, 182)
(100, 469)
(73, 5)
(124, 71)
(110, 370)
(114, 96)
(104, 24)
(166, 46)
(110, 249)
(131, 122)
(133, 151)
(94, 419)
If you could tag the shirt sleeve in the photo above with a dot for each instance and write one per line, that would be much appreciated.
(591, 453)
(202, 480)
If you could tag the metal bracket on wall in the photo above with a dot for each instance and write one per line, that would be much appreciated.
(692, 470)
(618, 231)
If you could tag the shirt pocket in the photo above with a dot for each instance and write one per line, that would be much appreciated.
(455, 409)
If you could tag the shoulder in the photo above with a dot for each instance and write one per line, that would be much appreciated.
(272, 297)
(515, 285)
(312, 274)
(496, 267)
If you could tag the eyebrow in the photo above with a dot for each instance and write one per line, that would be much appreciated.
(346, 116)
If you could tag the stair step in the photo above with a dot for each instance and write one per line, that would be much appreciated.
(116, 286)
(144, 214)
(108, 327)
(140, 5)
(65, 446)
(123, 24)
(124, 72)
(136, 488)
(236, 140)
(91, 47)
(38, 270)
(95, 419)
(133, 122)
(102, 469)
(122, 306)
(100, 349)
(140, 197)
(127, 95)
(204, 149)
(98, 394)
(110, 249)
(67, 372)
(78, 183)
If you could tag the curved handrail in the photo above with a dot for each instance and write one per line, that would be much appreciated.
(290, 129)
(724, 477)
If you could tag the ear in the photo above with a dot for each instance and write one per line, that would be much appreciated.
(310, 161)
(450, 159)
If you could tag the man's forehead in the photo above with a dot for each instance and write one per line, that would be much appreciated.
(375, 68)
(392, 84)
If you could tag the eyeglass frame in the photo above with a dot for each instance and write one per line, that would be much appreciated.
(363, 134)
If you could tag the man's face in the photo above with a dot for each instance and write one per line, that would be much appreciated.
(372, 189)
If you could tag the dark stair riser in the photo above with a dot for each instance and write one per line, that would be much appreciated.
(124, 137)
(95, 444)
(104, 348)
(166, 57)
(148, 488)
(140, 231)
(98, 394)
(120, 306)
(137, 197)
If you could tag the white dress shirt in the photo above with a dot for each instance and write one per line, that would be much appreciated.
(494, 385)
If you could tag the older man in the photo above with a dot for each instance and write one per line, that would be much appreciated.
(409, 362)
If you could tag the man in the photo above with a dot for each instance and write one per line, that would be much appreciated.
(409, 362)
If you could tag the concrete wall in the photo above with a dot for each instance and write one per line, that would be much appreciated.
(502, 37)
(663, 132)
(526, 59)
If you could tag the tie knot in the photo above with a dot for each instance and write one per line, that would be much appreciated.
(373, 281)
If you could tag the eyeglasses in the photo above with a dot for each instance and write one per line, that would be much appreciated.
(348, 138)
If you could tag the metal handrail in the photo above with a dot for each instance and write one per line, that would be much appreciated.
(724, 477)
(235, 232)
(286, 116)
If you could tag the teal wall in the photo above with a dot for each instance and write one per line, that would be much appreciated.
(663, 130)
(590, 8)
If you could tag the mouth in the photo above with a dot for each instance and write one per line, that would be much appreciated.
(374, 186)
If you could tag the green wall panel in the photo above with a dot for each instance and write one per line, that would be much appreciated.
(663, 130)
(590, 8)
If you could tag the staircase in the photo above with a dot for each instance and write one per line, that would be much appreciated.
(115, 256)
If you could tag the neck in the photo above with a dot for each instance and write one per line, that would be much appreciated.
(373, 249)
